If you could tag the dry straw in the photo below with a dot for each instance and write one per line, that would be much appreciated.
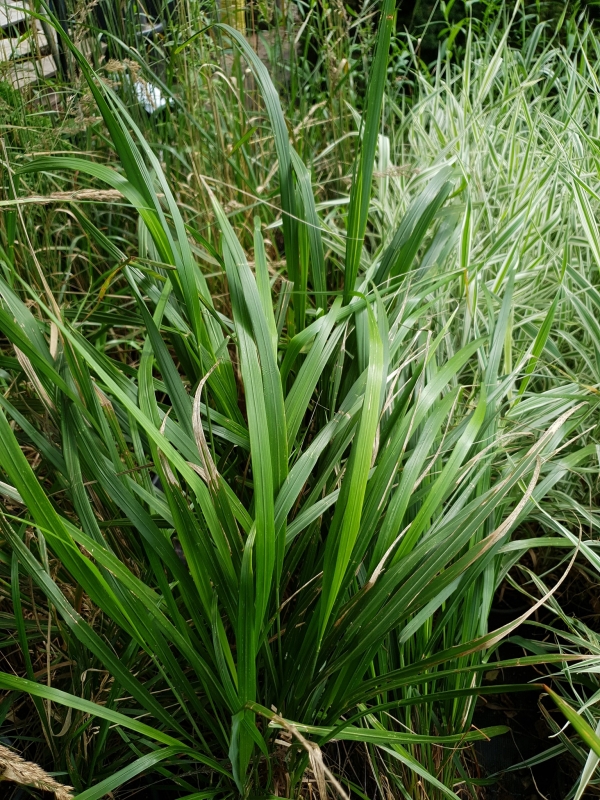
(16, 769)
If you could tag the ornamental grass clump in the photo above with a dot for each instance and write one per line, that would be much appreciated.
(276, 519)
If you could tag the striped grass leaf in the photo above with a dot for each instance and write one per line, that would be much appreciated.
(581, 727)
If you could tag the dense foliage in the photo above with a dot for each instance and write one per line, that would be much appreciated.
(299, 374)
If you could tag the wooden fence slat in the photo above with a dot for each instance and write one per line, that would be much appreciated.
(10, 13)
(17, 48)
(24, 73)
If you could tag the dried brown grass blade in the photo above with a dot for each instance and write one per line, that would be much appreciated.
(321, 772)
(29, 370)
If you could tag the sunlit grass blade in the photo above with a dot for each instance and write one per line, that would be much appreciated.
(346, 521)
(587, 733)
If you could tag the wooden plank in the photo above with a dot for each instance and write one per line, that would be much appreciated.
(17, 48)
(10, 13)
(24, 73)
(14, 48)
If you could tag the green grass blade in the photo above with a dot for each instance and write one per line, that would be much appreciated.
(313, 228)
(137, 767)
(585, 731)
(13, 683)
(346, 521)
(360, 194)
(283, 149)
(260, 445)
